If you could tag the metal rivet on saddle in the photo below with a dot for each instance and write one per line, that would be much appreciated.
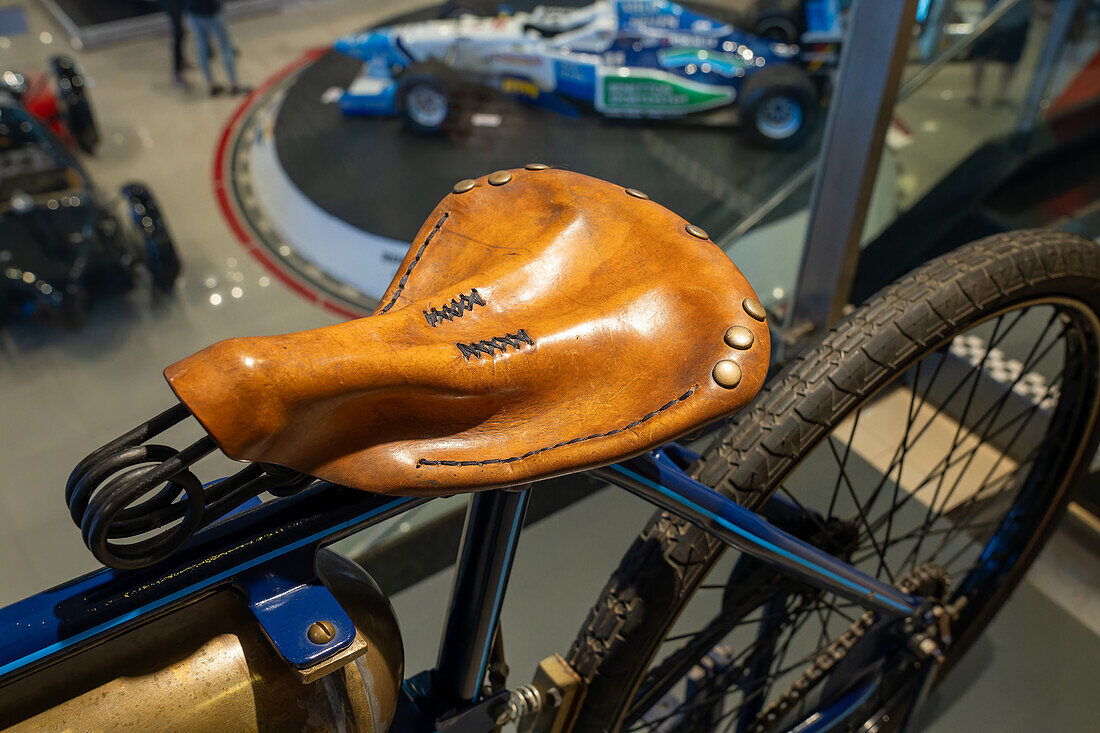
(637, 194)
(696, 232)
(727, 374)
(500, 178)
(464, 185)
(536, 166)
(753, 308)
(739, 337)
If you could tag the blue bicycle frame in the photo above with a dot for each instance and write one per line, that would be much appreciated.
(265, 552)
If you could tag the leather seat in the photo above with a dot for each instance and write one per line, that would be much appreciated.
(543, 322)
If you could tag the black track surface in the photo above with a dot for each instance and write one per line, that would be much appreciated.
(384, 179)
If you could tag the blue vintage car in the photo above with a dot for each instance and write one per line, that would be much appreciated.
(621, 58)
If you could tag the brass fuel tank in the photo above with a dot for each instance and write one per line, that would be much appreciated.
(208, 667)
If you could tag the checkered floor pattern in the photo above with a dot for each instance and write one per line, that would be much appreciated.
(1031, 385)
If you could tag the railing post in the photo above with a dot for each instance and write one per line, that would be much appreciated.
(871, 64)
(1060, 23)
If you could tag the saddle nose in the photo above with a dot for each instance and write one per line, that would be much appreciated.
(542, 322)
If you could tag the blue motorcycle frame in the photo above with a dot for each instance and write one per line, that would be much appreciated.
(265, 552)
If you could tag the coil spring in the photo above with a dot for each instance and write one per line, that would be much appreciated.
(105, 494)
(524, 700)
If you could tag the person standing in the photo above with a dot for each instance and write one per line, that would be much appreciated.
(174, 10)
(207, 20)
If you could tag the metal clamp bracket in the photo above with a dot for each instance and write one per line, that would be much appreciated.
(298, 614)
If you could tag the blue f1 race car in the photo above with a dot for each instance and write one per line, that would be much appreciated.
(623, 58)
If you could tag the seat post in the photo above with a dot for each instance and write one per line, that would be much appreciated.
(489, 541)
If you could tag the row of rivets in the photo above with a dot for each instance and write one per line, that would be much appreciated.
(727, 373)
(497, 178)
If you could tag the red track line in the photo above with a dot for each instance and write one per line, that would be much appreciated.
(221, 193)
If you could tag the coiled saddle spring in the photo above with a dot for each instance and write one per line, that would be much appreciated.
(113, 494)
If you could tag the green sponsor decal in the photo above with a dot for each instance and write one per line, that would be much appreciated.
(650, 94)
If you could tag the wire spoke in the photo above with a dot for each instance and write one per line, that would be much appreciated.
(842, 463)
(863, 518)
(901, 469)
(996, 409)
(928, 423)
(1030, 413)
(1003, 400)
(746, 622)
(939, 469)
(812, 515)
(956, 439)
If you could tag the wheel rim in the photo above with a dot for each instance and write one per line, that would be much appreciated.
(984, 531)
(426, 105)
(779, 117)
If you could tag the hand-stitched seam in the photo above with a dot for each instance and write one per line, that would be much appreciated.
(574, 441)
(454, 309)
(489, 347)
(419, 254)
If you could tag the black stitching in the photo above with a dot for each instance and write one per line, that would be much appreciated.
(427, 462)
(454, 309)
(419, 254)
(489, 347)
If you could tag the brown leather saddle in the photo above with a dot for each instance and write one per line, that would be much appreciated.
(543, 322)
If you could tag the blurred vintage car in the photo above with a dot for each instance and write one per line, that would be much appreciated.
(63, 241)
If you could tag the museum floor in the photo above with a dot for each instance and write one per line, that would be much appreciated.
(64, 394)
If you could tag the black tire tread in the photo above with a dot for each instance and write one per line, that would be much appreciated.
(796, 409)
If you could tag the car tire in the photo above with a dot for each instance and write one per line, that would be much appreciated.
(426, 97)
(458, 8)
(778, 106)
(160, 256)
(72, 91)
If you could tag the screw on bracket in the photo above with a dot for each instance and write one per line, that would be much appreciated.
(321, 632)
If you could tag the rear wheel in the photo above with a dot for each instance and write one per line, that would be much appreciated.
(426, 97)
(778, 105)
(77, 109)
(932, 436)
(161, 258)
